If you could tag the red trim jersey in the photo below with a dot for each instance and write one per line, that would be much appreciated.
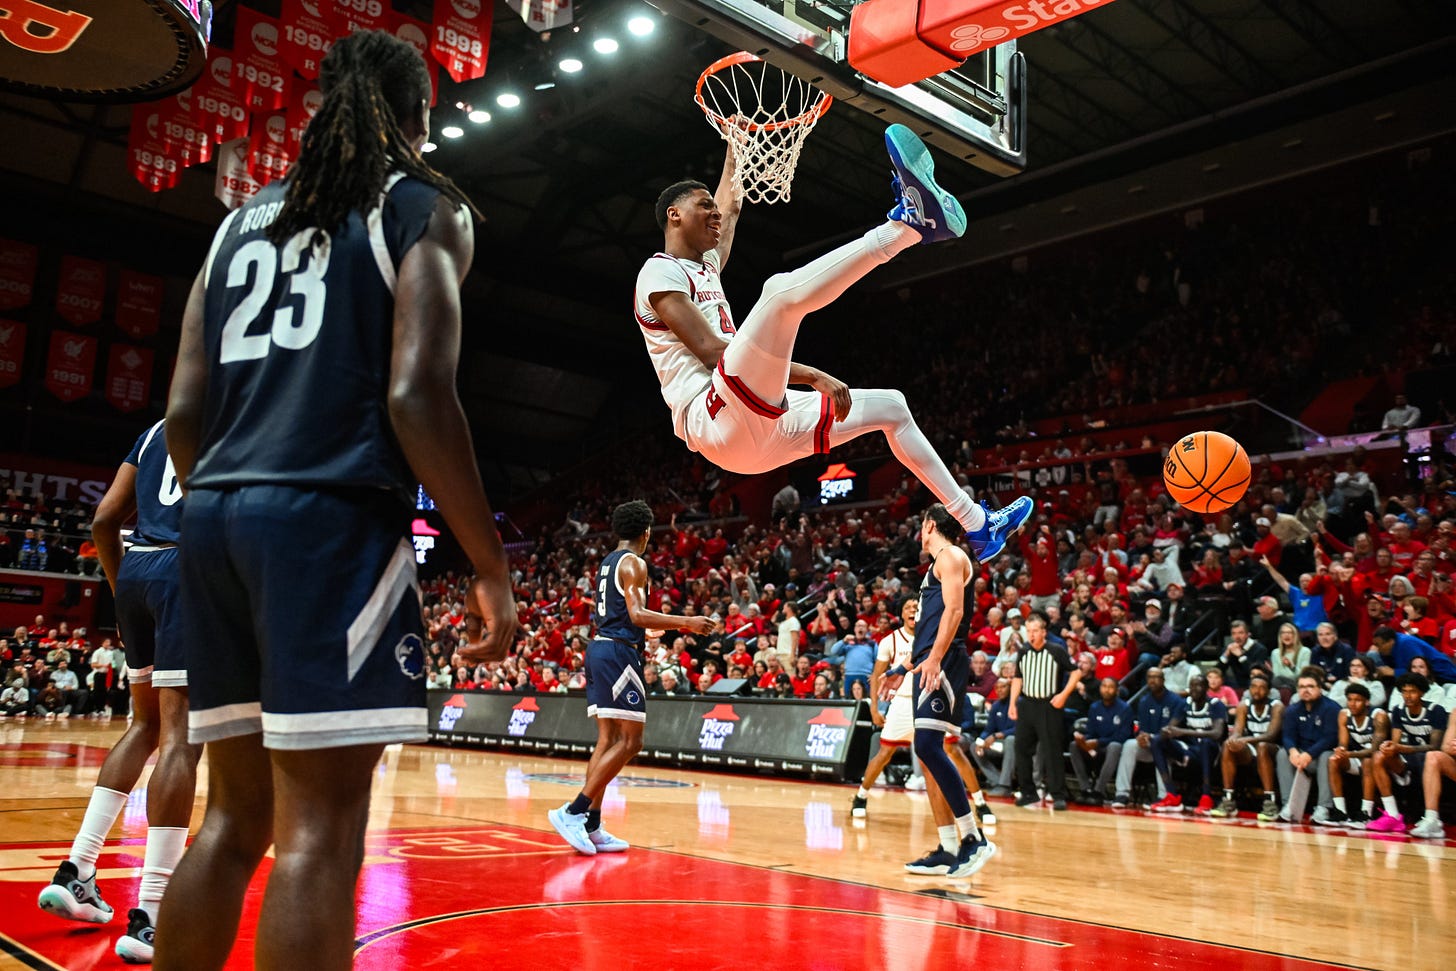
(683, 376)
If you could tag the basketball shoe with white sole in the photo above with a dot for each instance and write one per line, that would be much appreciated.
(135, 946)
(70, 897)
(924, 206)
(605, 842)
(572, 829)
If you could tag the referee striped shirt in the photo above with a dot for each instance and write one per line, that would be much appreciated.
(1039, 670)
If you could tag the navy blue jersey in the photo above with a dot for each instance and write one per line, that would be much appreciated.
(1257, 723)
(612, 619)
(1201, 719)
(1361, 736)
(927, 624)
(297, 339)
(1417, 729)
(158, 497)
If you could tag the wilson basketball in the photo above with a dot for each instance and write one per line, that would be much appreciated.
(1206, 472)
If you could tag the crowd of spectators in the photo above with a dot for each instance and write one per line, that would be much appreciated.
(43, 534)
(51, 671)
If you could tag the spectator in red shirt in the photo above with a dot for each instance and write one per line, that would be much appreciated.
(1383, 570)
(803, 678)
(1114, 660)
(1403, 547)
(1416, 622)
(740, 655)
(1208, 574)
(1267, 544)
(1041, 559)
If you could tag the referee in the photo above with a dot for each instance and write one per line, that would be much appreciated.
(1036, 707)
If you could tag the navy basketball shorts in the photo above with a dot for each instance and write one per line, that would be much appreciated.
(944, 708)
(302, 617)
(149, 616)
(614, 686)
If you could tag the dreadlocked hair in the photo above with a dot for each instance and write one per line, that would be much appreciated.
(370, 81)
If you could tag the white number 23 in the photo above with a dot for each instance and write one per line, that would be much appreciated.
(295, 323)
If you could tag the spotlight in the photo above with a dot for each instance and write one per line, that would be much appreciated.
(452, 131)
(428, 147)
(508, 100)
(479, 117)
(605, 45)
(570, 65)
(545, 86)
(641, 26)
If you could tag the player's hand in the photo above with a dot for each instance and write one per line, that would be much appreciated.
(837, 391)
(876, 717)
(490, 622)
(701, 625)
(929, 671)
(1059, 702)
(888, 684)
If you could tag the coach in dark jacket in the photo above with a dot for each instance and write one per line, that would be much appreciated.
(1311, 732)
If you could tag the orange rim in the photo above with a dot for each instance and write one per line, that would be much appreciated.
(744, 57)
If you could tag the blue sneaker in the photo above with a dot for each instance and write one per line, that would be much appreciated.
(572, 829)
(991, 538)
(924, 206)
(973, 855)
(937, 863)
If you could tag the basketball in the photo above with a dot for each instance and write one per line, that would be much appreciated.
(1206, 472)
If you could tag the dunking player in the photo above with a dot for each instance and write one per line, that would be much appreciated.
(897, 726)
(942, 668)
(144, 580)
(728, 386)
(615, 694)
(314, 393)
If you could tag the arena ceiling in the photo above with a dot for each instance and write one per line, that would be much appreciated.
(568, 178)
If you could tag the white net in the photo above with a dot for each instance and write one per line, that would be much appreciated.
(764, 114)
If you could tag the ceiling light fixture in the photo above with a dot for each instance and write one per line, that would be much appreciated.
(428, 147)
(508, 100)
(605, 45)
(570, 65)
(479, 117)
(641, 26)
(452, 131)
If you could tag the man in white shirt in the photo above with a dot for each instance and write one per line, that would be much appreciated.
(1402, 417)
(788, 644)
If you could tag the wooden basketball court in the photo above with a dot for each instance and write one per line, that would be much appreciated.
(735, 871)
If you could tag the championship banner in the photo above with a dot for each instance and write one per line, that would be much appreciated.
(187, 140)
(259, 74)
(234, 186)
(18, 262)
(543, 15)
(70, 365)
(139, 304)
(269, 154)
(307, 35)
(150, 163)
(302, 106)
(416, 33)
(80, 290)
(217, 102)
(460, 40)
(128, 377)
(12, 352)
(352, 15)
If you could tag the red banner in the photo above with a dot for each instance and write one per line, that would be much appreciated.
(269, 154)
(234, 186)
(301, 108)
(69, 366)
(128, 377)
(217, 103)
(150, 163)
(416, 33)
(307, 32)
(12, 352)
(188, 140)
(139, 303)
(461, 38)
(259, 74)
(80, 290)
(18, 262)
(352, 15)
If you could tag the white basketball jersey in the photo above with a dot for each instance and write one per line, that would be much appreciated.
(682, 375)
(895, 650)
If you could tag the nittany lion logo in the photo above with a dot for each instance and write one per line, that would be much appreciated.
(410, 654)
(633, 698)
(937, 705)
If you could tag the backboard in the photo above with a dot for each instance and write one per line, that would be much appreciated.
(976, 112)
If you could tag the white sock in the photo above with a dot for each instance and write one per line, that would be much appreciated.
(863, 793)
(967, 825)
(1368, 806)
(949, 841)
(1431, 816)
(1391, 809)
(892, 238)
(101, 813)
(165, 846)
(978, 797)
(1340, 803)
(969, 514)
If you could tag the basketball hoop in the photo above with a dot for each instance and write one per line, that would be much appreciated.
(764, 114)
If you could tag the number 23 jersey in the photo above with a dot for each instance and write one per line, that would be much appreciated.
(297, 339)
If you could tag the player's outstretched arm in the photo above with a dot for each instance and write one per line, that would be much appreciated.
(115, 508)
(430, 424)
(189, 387)
(687, 322)
(633, 574)
(729, 204)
